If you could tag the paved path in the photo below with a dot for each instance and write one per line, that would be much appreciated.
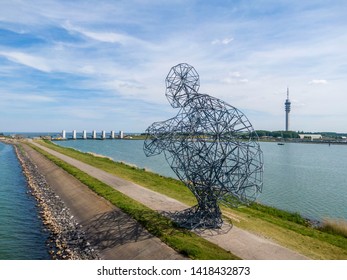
(240, 242)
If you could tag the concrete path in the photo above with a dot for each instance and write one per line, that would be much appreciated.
(115, 234)
(240, 242)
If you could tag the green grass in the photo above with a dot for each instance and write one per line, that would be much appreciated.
(335, 227)
(182, 240)
(283, 215)
(288, 229)
(298, 231)
(165, 185)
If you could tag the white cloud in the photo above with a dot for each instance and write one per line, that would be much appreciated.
(87, 69)
(128, 86)
(85, 113)
(318, 82)
(225, 41)
(25, 99)
(235, 74)
(235, 78)
(27, 60)
(108, 37)
(104, 36)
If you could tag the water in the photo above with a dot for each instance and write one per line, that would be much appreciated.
(22, 235)
(306, 178)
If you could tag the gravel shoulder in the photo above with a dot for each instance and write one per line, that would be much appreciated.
(105, 231)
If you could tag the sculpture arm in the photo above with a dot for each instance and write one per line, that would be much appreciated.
(157, 135)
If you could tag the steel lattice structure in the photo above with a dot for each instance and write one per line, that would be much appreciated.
(210, 145)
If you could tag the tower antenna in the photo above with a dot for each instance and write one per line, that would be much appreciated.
(287, 109)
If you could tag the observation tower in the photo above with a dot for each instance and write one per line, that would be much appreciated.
(287, 109)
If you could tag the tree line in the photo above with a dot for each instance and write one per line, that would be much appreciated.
(295, 134)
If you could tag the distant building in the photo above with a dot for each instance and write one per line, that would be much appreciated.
(310, 136)
(121, 134)
(287, 109)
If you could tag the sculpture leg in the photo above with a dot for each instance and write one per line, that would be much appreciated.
(206, 214)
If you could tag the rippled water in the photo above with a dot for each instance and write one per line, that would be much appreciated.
(305, 178)
(21, 231)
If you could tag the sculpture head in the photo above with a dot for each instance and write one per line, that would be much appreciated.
(182, 83)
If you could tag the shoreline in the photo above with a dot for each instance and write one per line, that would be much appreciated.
(305, 234)
(67, 240)
(102, 230)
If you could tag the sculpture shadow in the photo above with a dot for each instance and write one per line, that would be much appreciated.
(182, 218)
(114, 228)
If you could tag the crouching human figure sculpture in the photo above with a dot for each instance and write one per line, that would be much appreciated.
(210, 145)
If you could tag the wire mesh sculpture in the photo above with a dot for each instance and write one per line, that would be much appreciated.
(210, 145)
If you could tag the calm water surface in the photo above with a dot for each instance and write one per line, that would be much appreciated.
(305, 178)
(21, 231)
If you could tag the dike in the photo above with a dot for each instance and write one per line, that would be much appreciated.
(67, 240)
(83, 224)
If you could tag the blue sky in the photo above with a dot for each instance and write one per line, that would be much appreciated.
(102, 64)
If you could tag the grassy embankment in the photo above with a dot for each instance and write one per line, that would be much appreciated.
(182, 240)
(288, 229)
